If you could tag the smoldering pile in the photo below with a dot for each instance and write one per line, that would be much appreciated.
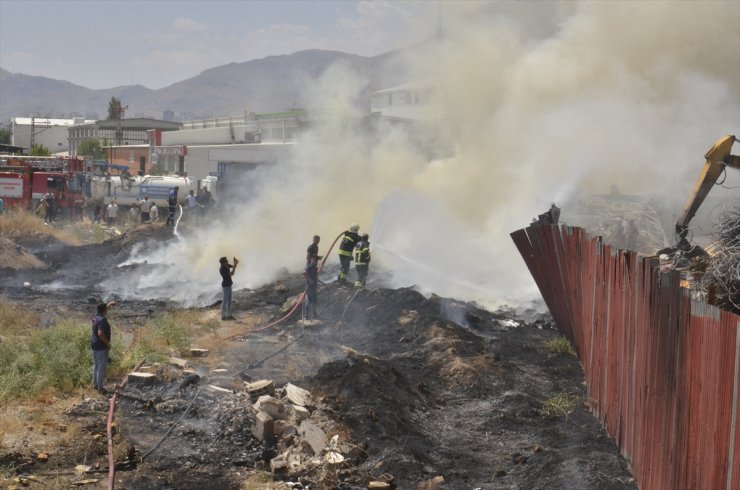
(283, 430)
(721, 280)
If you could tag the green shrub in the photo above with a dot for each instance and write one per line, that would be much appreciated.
(560, 345)
(173, 331)
(57, 357)
(560, 405)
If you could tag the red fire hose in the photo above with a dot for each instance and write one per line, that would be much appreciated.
(109, 427)
(295, 306)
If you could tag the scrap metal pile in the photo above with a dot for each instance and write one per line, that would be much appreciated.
(721, 280)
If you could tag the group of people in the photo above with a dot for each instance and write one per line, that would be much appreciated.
(144, 210)
(352, 247)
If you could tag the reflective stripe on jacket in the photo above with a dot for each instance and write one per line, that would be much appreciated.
(362, 253)
(347, 245)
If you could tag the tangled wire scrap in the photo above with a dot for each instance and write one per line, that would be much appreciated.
(722, 276)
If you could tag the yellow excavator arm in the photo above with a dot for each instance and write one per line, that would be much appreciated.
(717, 158)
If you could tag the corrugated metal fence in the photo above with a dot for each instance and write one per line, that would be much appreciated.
(662, 370)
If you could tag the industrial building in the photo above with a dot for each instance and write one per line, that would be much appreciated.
(53, 133)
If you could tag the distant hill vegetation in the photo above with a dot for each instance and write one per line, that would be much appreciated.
(265, 85)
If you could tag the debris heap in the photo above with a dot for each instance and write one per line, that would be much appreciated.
(721, 280)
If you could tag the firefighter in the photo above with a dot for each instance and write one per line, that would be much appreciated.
(346, 248)
(171, 204)
(362, 260)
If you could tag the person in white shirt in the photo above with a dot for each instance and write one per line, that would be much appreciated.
(153, 212)
(111, 212)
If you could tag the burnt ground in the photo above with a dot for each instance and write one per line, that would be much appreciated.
(419, 387)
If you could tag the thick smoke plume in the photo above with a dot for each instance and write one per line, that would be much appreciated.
(534, 103)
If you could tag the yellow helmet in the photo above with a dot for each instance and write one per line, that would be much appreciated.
(354, 227)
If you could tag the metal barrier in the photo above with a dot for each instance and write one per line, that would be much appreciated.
(662, 370)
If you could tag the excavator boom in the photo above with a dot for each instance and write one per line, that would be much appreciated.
(717, 158)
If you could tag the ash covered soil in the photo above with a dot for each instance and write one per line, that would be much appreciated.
(413, 388)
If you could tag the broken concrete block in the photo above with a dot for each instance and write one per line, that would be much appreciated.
(179, 362)
(272, 406)
(285, 429)
(199, 352)
(333, 459)
(141, 378)
(263, 428)
(259, 388)
(298, 396)
(434, 484)
(313, 436)
(300, 413)
(218, 389)
(278, 464)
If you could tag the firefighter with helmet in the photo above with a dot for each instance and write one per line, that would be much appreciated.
(346, 249)
(362, 260)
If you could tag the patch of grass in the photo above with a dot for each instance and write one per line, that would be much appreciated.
(560, 345)
(16, 319)
(20, 224)
(560, 405)
(37, 362)
(262, 481)
(174, 330)
(53, 358)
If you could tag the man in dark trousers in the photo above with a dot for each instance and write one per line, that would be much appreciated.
(362, 260)
(313, 249)
(227, 270)
(171, 203)
(346, 249)
(311, 274)
(101, 340)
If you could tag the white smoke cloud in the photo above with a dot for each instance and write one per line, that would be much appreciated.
(539, 103)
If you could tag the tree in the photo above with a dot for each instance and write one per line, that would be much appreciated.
(115, 109)
(5, 135)
(39, 151)
(91, 148)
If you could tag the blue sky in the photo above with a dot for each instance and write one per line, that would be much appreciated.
(103, 44)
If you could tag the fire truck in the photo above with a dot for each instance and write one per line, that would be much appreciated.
(25, 181)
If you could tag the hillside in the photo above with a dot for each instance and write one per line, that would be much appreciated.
(268, 84)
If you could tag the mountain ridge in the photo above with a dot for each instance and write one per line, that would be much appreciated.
(268, 84)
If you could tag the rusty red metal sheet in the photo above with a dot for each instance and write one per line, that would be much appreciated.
(662, 370)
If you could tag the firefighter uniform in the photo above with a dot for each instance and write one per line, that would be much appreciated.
(346, 249)
(362, 260)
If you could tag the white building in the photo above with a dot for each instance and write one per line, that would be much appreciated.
(49, 132)
(411, 101)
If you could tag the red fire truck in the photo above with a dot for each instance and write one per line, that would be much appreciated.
(25, 181)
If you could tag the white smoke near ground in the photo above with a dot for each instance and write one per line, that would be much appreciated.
(536, 103)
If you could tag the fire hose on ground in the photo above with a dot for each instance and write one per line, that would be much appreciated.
(109, 427)
(299, 300)
(295, 306)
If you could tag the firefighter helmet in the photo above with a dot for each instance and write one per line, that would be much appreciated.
(354, 227)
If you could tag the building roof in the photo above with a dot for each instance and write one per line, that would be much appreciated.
(47, 121)
(137, 123)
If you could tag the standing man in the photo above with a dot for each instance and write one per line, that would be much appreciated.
(227, 270)
(192, 206)
(311, 273)
(100, 344)
(145, 205)
(171, 203)
(362, 260)
(346, 248)
(111, 213)
(313, 249)
(153, 212)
